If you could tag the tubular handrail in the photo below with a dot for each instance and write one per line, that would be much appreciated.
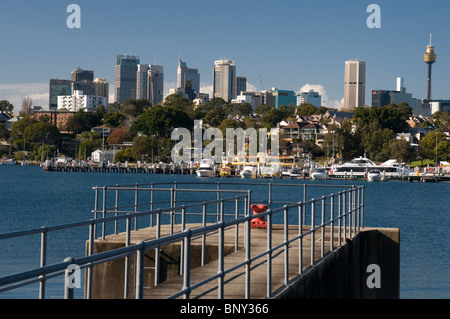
(349, 216)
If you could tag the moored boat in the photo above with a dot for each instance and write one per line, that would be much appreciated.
(205, 169)
(248, 172)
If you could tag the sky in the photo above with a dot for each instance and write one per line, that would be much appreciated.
(287, 44)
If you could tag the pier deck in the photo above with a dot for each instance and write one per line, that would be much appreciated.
(235, 281)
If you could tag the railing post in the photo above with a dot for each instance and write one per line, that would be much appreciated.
(340, 218)
(187, 263)
(127, 258)
(313, 205)
(220, 270)
(136, 206)
(322, 248)
(140, 261)
(157, 249)
(300, 233)
(331, 222)
(104, 212)
(90, 253)
(362, 206)
(43, 262)
(116, 208)
(269, 253)
(286, 246)
(236, 230)
(95, 209)
(247, 247)
(203, 261)
(68, 287)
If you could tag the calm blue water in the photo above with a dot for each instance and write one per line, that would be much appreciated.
(31, 198)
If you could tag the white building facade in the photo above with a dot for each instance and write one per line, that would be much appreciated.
(78, 101)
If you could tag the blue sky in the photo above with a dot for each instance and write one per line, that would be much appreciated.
(288, 44)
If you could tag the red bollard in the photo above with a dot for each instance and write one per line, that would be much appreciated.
(259, 222)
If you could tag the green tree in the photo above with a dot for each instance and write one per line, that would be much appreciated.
(42, 132)
(306, 109)
(375, 141)
(113, 119)
(6, 107)
(272, 117)
(159, 120)
(262, 109)
(401, 150)
(215, 116)
(431, 141)
(124, 155)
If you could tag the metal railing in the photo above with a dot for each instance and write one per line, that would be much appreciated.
(345, 211)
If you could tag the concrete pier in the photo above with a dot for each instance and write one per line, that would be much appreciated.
(339, 274)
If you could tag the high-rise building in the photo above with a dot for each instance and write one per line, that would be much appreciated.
(80, 75)
(283, 97)
(125, 77)
(101, 88)
(241, 84)
(57, 88)
(155, 84)
(142, 81)
(385, 97)
(224, 80)
(310, 97)
(355, 84)
(185, 75)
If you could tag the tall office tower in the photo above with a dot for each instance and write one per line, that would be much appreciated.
(141, 81)
(125, 77)
(185, 74)
(355, 84)
(429, 58)
(241, 84)
(84, 85)
(80, 75)
(224, 80)
(401, 85)
(57, 88)
(101, 88)
(155, 84)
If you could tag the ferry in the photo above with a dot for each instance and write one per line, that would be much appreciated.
(360, 167)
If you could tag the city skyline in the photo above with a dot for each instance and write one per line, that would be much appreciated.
(304, 47)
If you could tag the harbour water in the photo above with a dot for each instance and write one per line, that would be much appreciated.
(31, 198)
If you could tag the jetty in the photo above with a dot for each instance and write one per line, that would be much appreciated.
(236, 240)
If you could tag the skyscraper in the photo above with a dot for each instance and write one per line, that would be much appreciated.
(155, 84)
(241, 84)
(80, 75)
(142, 81)
(101, 88)
(355, 84)
(57, 88)
(185, 74)
(125, 77)
(224, 80)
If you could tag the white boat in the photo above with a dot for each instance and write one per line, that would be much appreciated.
(205, 169)
(24, 163)
(374, 175)
(270, 171)
(9, 161)
(361, 166)
(319, 174)
(294, 173)
(249, 172)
